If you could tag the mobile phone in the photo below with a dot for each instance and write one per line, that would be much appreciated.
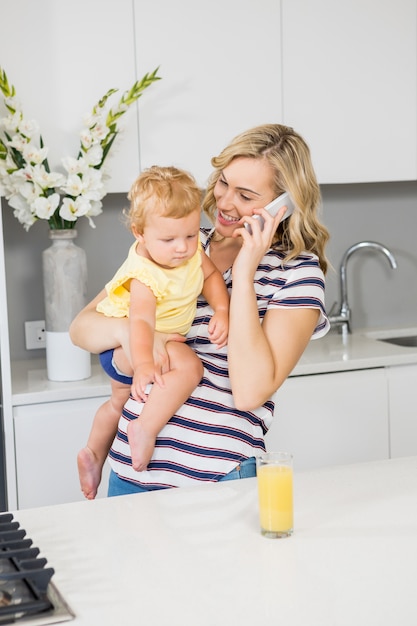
(273, 207)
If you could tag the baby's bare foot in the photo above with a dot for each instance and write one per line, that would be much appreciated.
(89, 470)
(142, 445)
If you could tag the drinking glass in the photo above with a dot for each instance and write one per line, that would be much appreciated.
(275, 491)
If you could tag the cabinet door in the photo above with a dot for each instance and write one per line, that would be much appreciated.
(47, 439)
(331, 419)
(62, 57)
(220, 66)
(350, 86)
(402, 385)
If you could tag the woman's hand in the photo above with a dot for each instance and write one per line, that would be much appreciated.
(255, 244)
(160, 354)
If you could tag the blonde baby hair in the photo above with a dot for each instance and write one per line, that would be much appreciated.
(163, 191)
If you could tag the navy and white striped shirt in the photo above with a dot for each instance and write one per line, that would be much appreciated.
(208, 436)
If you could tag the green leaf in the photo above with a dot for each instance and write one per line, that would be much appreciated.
(128, 98)
(8, 90)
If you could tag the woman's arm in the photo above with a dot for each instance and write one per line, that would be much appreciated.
(95, 332)
(261, 356)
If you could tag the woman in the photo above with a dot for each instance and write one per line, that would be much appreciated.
(275, 278)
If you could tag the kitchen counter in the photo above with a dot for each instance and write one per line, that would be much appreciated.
(332, 353)
(359, 350)
(195, 556)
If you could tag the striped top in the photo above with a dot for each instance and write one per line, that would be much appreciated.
(208, 436)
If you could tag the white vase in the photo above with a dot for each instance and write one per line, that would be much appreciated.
(65, 289)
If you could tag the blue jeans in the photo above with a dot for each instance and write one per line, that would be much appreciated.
(120, 487)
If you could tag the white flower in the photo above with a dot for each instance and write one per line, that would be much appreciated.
(28, 128)
(11, 122)
(86, 138)
(32, 190)
(15, 180)
(41, 177)
(73, 185)
(44, 208)
(22, 211)
(71, 209)
(74, 166)
(94, 155)
(13, 103)
(29, 192)
(34, 155)
(92, 184)
(95, 209)
(17, 142)
(99, 131)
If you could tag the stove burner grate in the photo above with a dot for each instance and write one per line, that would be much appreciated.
(25, 580)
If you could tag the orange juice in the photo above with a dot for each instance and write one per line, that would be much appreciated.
(275, 499)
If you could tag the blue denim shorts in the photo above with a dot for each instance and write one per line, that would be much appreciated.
(120, 487)
(106, 361)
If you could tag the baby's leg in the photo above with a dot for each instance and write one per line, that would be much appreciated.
(90, 460)
(186, 371)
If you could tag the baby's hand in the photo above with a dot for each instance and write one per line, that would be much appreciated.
(218, 328)
(142, 377)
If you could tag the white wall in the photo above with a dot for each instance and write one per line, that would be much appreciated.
(387, 213)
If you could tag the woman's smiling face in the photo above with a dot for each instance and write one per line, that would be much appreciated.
(244, 185)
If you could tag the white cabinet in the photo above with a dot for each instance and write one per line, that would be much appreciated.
(62, 57)
(343, 74)
(402, 386)
(220, 64)
(349, 86)
(330, 419)
(47, 439)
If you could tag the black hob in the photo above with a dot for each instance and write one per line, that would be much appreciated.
(27, 593)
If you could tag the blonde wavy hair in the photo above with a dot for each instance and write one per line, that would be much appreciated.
(163, 191)
(289, 157)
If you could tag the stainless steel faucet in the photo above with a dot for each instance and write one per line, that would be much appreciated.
(342, 318)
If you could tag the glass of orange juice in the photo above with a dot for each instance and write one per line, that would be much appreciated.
(274, 472)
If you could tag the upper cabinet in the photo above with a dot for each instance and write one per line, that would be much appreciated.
(349, 86)
(220, 64)
(62, 57)
(343, 74)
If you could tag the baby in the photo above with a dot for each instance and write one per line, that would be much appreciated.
(156, 288)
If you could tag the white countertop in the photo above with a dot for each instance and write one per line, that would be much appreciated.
(360, 350)
(195, 556)
(30, 384)
(330, 354)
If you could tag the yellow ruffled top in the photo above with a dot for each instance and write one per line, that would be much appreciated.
(175, 290)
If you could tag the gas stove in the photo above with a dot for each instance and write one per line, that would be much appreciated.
(27, 594)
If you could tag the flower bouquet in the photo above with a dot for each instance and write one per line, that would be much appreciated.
(31, 189)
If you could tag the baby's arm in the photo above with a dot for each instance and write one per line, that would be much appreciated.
(216, 294)
(142, 329)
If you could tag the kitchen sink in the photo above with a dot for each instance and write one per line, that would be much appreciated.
(403, 337)
(408, 341)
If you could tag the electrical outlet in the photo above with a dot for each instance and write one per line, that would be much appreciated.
(35, 335)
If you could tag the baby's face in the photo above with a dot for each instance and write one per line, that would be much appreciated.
(169, 241)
